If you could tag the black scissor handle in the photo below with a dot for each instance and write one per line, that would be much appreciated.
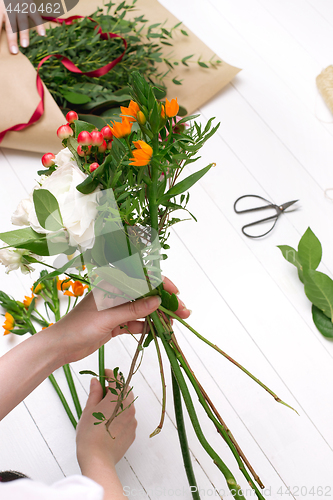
(263, 207)
(255, 223)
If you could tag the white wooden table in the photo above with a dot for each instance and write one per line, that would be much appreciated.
(275, 140)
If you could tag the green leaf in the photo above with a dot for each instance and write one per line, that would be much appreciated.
(132, 287)
(76, 98)
(291, 255)
(80, 126)
(113, 391)
(319, 290)
(185, 184)
(88, 185)
(88, 372)
(148, 339)
(173, 304)
(309, 250)
(322, 322)
(99, 415)
(28, 239)
(202, 64)
(47, 210)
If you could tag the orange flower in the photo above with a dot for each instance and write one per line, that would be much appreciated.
(130, 112)
(122, 129)
(44, 327)
(77, 288)
(9, 323)
(27, 300)
(171, 108)
(163, 111)
(37, 289)
(63, 284)
(142, 154)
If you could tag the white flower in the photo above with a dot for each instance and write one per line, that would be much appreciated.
(78, 210)
(12, 259)
(64, 157)
(21, 215)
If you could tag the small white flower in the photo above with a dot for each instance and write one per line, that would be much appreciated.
(64, 157)
(78, 211)
(12, 259)
(21, 215)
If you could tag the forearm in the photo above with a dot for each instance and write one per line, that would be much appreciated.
(25, 366)
(104, 473)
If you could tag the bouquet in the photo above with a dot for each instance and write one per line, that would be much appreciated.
(95, 43)
(105, 204)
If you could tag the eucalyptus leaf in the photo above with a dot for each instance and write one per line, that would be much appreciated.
(322, 322)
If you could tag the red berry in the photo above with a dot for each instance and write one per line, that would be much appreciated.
(72, 116)
(93, 166)
(48, 160)
(102, 147)
(109, 144)
(96, 138)
(107, 132)
(82, 152)
(84, 138)
(64, 132)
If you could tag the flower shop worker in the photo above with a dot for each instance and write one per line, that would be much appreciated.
(74, 337)
(18, 21)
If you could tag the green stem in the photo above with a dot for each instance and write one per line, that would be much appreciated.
(231, 482)
(72, 389)
(57, 388)
(217, 424)
(63, 400)
(173, 315)
(101, 367)
(177, 401)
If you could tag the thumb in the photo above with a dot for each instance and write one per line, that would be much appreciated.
(95, 394)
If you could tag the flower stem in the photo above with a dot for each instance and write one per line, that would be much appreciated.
(177, 401)
(173, 315)
(63, 400)
(101, 367)
(72, 389)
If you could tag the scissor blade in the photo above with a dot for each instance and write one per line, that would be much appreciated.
(284, 206)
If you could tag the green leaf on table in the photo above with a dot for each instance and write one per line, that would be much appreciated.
(132, 287)
(319, 290)
(47, 210)
(322, 322)
(291, 255)
(185, 185)
(88, 372)
(309, 250)
(76, 98)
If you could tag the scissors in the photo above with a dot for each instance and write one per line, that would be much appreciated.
(279, 210)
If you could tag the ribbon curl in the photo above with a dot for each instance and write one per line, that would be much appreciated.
(39, 111)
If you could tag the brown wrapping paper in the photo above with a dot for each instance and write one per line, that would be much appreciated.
(19, 97)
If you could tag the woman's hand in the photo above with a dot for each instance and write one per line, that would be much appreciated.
(85, 328)
(98, 452)
(18, 22)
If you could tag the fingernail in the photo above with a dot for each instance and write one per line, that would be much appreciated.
(25, 43)
(42, 32)
(14, 49)
(152, 302)
(189, 310)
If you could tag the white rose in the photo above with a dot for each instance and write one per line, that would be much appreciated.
(21, 215)
(64, 157)
(12, 259)
(78, 210)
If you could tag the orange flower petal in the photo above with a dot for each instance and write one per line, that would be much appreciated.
(171, 108)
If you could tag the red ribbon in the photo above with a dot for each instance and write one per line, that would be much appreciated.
(39, 111)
